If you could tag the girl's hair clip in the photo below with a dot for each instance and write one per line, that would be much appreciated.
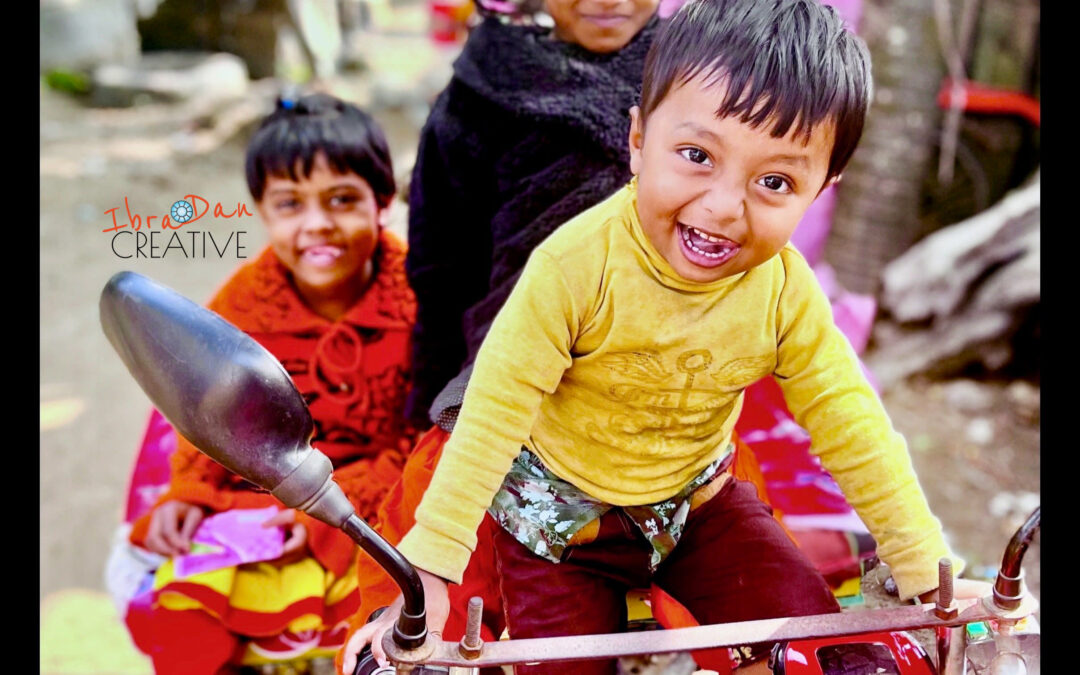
(320, 105)
(289, 98)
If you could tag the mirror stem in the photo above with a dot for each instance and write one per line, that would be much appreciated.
(1008, 588)
(411, 627)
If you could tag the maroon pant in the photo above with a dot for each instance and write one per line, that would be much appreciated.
(733, 563)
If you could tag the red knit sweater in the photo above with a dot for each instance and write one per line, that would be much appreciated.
(353, 373)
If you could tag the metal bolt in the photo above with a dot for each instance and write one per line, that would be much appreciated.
(471, 644)
(946, 608)
(945, 582)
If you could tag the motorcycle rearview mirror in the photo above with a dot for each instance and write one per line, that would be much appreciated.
(234, 401)
(221, 390)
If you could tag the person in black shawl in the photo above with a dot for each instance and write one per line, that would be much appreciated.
(530, 132)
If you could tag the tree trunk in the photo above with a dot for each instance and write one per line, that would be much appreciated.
(876, 217)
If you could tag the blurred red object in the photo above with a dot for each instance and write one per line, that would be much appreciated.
(449, 20)
(977, 98)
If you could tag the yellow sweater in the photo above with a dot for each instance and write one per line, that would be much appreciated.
(627, 380)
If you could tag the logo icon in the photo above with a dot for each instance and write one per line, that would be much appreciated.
(181, 211)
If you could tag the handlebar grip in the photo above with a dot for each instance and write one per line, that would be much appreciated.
(366, 664)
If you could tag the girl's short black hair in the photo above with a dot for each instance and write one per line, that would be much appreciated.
(785, 62)
(301, 128)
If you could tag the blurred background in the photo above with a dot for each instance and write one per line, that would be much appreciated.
(933, 234)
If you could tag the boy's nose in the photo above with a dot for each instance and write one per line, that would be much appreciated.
(316, 219)
(725, 200)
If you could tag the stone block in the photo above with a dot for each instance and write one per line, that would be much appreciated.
(82, 34)
(170, 76)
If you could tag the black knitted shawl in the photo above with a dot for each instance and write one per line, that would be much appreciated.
(546, 123)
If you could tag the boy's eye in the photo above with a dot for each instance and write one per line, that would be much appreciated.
(695, 155)
(343, 200)
(286, 204)
(776, 184)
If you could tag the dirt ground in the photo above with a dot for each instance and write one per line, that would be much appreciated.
(977, 458)
(977, 454)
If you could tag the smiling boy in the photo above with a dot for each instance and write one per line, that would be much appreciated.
(597, 425)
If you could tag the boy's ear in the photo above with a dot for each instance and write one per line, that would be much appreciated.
(636, 140)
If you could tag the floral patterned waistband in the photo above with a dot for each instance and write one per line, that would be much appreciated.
(543, 511)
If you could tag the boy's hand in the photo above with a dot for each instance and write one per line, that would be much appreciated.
(296, 536)
(436, 604)
(172, 525)
(963, 589)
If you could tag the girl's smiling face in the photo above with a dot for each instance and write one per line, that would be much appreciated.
(324, 229)
(601, 26)
(717, 196)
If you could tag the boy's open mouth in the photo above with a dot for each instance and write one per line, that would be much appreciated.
(323, 255)
(705, 249)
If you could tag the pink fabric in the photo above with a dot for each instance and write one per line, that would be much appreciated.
(231, 538)
(794, 479)
(150, 475)
(668, 7)
(853, 313)
(849, 10)
(810, 235)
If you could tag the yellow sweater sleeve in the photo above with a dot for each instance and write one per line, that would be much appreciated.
(851, 433)
(522, 358)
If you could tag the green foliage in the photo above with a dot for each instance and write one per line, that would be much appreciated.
(69, 81)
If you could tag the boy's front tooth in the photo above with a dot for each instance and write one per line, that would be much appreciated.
(706, 236)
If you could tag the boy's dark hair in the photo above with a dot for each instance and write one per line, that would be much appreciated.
(785, 62)
(301, 128)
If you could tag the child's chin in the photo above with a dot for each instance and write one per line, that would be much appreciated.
(703, 276)
(322, 279)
